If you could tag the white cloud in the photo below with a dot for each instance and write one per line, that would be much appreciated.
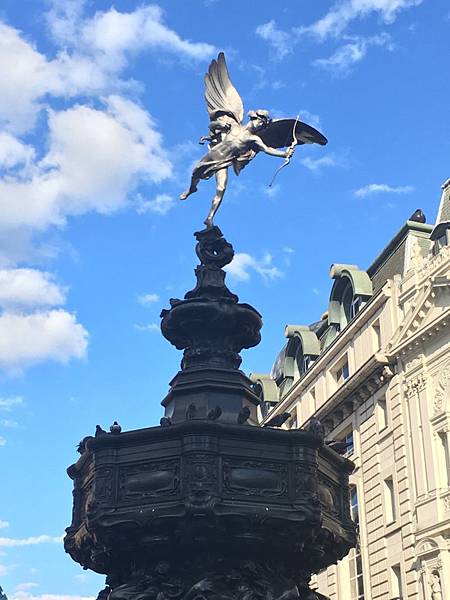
(26, 586)
(94, 160)
(376, 188)
(114, 33)
(347, 55)
(160, 205)
(8, 403)
(315, 164)
(4, 524)
(13, 152)
(242, 264)
(30, 541)
(148, 298)
(96, 155)
(24, 595)
(2, 441)
(9, 424)
(271, 191)
(339, 17)
(81, 577)
(5, 569)
(93, 53)
(281, 41)
(152, 327)
(26, 340)
(333, 24)
(28, 287)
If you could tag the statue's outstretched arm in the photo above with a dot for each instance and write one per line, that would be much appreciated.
(261, 146)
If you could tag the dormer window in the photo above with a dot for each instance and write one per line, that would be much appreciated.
(351, 290)
(440, 236)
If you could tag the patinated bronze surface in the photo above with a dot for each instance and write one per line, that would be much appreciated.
(209, 506)
(231, 143)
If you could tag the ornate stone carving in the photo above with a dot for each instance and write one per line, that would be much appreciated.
(207, 506)
(205, 578)
(435, 585)
(149, 480)
(446, 502)
(442, 390)
(414, 362)
(415, 385)
(255, 478)
(212, 327)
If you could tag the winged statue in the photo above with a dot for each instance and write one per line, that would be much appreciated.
(231, 143)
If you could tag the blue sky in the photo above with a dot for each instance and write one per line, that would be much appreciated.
(101, 107)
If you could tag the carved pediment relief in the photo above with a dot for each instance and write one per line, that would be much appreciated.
(426, 546)
(423, 311)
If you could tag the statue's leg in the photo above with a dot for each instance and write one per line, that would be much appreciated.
(192, 188)
(221, 185)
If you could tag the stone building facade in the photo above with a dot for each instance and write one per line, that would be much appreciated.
(375, 370)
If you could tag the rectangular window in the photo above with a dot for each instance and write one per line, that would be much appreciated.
(389, 500)
(354, 511)
(348, 439)
(396, 583)
(355, 306)
(382, 413)
(293, 423)
(356, 574)
(342, 373)
(445, 451)
(376, 332)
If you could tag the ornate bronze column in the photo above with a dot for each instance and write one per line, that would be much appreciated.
(209, 505)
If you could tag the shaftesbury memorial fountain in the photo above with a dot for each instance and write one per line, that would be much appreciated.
(209, 505)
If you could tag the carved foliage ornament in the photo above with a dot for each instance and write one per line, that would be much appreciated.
(442, 390)
(416, 385)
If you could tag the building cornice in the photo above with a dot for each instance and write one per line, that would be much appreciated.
(372, 376)
(336, 346)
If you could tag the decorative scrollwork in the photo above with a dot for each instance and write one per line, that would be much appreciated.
(212, 248)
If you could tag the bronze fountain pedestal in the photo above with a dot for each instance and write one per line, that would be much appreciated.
(209, 505)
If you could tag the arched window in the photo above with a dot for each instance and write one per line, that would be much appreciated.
(351, 290)
(302, 349)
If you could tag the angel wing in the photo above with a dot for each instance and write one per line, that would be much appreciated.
(279, 133)
(220, 94)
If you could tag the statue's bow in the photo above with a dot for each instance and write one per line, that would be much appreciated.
(290, 150)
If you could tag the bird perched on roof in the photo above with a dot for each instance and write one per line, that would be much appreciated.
(99, 431)
(278, 420)
(214, 413)
(115, 428)
(418, 216)
(165, 421)
(316, 428)
(243, 415)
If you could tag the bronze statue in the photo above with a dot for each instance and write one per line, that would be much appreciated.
(231, 143)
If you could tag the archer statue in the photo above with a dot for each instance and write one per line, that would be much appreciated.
(233, 143)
